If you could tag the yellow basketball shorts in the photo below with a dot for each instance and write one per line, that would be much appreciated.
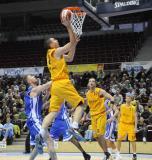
(63, 90)
(125, 130)
(98, 123)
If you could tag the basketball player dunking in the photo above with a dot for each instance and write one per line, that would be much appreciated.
(62, 88)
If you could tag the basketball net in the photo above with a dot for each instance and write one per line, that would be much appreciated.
(77, 19)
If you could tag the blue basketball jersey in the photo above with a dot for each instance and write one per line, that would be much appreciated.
(33, 105)
(109, 115)
(61, 125)
(110, 127)
(63, 113)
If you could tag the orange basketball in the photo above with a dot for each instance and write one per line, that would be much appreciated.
(65, 15)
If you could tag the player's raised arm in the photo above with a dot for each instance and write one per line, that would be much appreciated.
(69, 46)
(70, 56)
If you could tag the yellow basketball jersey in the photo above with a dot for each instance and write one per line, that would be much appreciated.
(95, 102)
(57, 68)
(127, 114)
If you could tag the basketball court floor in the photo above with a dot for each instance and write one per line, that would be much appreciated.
(66, 156)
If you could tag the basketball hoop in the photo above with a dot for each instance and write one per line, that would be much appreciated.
(77, 19)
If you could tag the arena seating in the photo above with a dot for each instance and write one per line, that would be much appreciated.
(109, 48)
(15, 54)
(131, 18)
(40, 25)
(12, 1)
(106, 48)
(45, 24)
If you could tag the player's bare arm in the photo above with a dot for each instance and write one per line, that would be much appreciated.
(37, 90)
(46, 105)
(47, 95)
(114, 107)
(106, 95)
(70, 56)
(136, 121)
(69, 46)
(116, 112)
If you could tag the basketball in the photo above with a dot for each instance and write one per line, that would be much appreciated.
(65, 15)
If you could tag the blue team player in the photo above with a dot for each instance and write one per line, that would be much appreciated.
(62, 127)
(33, 108)
(112, 113)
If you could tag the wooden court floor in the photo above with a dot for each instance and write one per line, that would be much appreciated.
(66, 156)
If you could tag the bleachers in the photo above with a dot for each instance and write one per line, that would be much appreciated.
(12, 1)
(131, 18)
(40, 25)
(109, 48)
(106, 48)
(16, 54)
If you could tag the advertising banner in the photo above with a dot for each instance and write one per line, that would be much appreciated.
(137, 66)
(21, 71)
(85, 67)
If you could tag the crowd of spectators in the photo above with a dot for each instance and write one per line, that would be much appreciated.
(12, 115)
(12, 90)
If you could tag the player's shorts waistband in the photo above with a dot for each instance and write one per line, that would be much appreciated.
(126, 123)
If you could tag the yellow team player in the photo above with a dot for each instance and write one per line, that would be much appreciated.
(95, 98)
(127, 125)
(62, 88)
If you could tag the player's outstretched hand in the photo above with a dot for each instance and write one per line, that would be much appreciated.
(66, 22)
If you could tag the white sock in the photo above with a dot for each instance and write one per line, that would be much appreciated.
(118, 153)
(109, 150)
(75, 125)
